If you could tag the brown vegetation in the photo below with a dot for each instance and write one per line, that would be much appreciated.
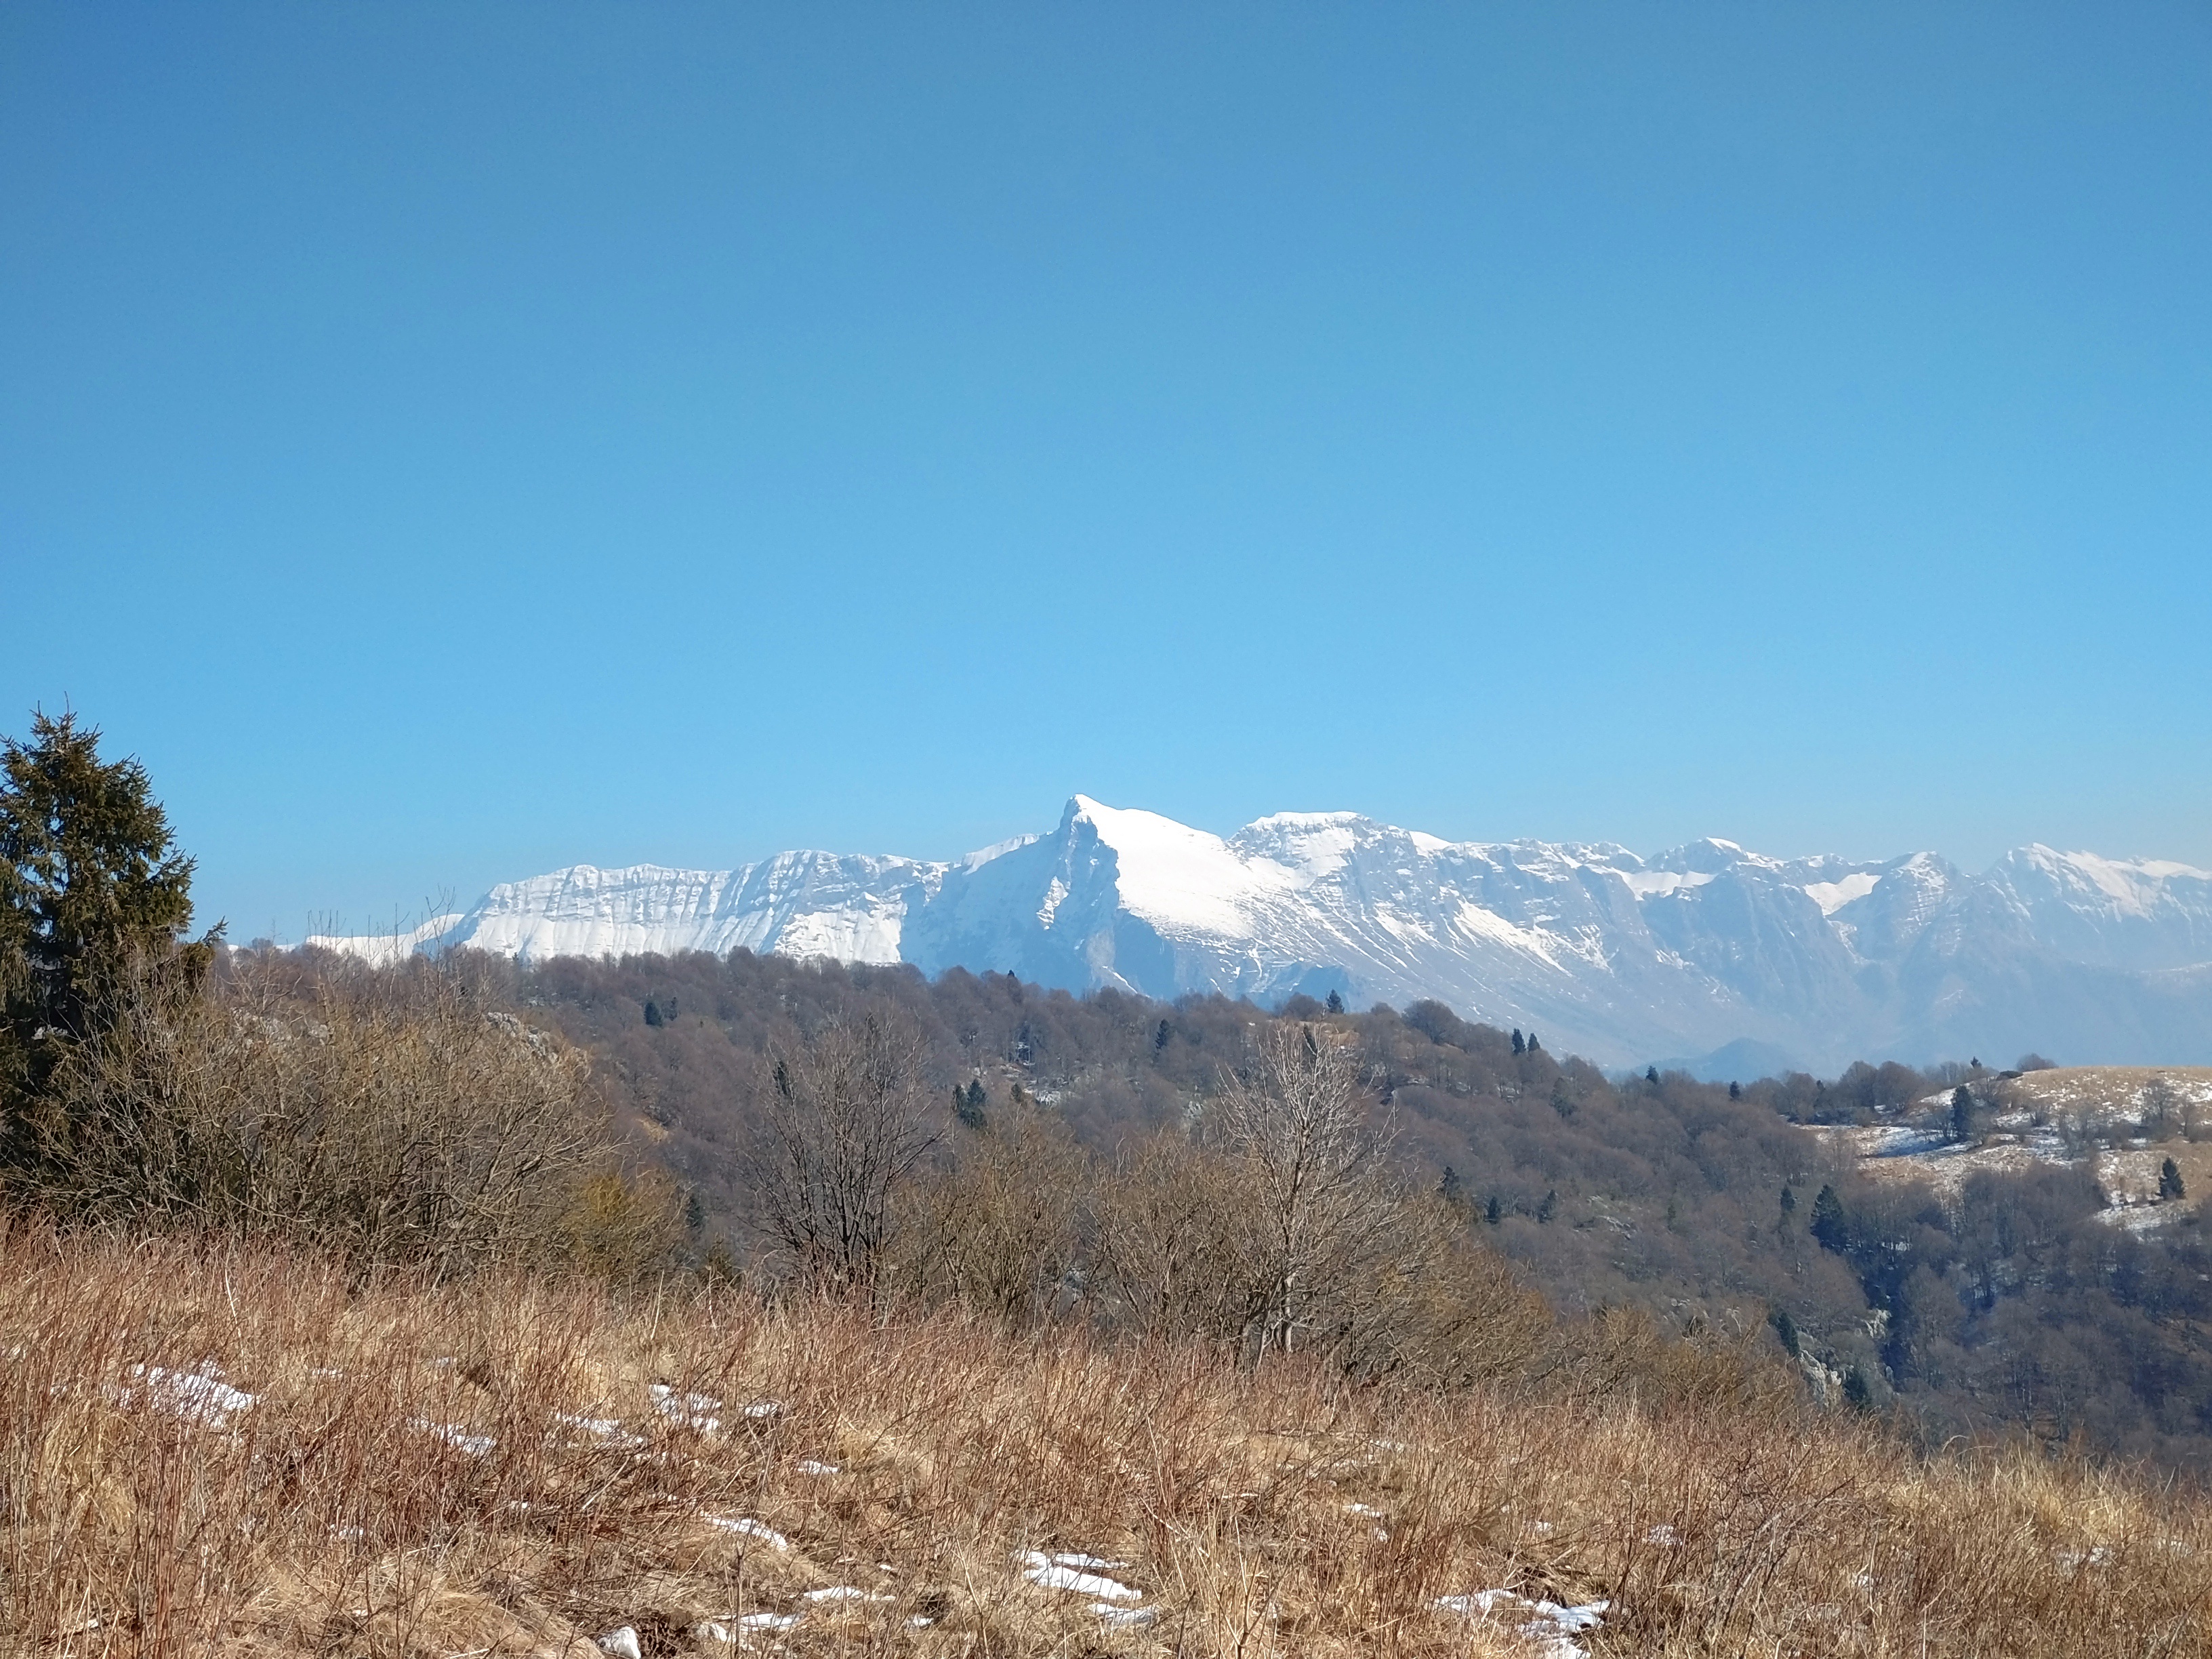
(512, 1466)
(400, 1116)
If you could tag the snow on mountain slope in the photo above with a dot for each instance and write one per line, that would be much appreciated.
(1604, 953)
(801, 904)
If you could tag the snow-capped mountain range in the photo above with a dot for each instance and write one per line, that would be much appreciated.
(1811, 961)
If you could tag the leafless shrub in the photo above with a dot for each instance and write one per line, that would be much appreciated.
(842, 1121)
(1173, 1258)
(1280, 1230)
(393, 1118)
(1003, 1229)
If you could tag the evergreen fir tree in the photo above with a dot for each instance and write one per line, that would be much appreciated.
(968, 1105)
(1651, 1075)
(1160, 1037)
(652, 1012)
(1562, 1101)
(2169, 1181)
(1550, 1206)
(1449, 1188)
(91, 886)
(1335, 1002)
(1735, 1091)
(1785, 1329)
(1493, 1213)
(1519, 1045)
(1962, 1112)
(1830, 1225)
(1789, 1203)
(1535, 1047)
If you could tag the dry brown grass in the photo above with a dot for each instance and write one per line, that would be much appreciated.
(346, 1511)
(2104, 1091)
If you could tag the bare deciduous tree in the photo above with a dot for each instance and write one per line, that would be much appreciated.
(1322, 1212)
(843, 1119)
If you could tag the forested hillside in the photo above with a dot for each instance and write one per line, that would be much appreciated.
(2009, 1305)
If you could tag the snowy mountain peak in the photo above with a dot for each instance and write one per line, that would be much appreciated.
(1612, 956)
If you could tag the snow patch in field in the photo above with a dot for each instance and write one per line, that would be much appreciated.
(815, 1466)
(1547, 1623)
(199, 1397)
(1068, 1572)
(621, 1643)
(607, 1431)
(751, 1529)
(476, 1445)
(692, 1411)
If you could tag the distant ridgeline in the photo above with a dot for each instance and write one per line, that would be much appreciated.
(1710, 951)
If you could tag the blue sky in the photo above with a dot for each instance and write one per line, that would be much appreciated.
(446, 442)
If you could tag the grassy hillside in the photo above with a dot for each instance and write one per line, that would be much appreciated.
(225, 1450)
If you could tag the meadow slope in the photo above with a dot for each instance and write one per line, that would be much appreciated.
(225, 1450)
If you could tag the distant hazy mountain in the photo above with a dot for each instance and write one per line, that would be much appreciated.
(1604, 954)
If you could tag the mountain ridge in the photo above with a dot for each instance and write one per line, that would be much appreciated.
(1611, 955)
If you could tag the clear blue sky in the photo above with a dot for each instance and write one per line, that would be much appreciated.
(450, 441)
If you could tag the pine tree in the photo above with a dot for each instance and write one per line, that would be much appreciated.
(2169, 1181)
(91, 889)
(1735, 1091)
(1830, 1225)
(968, 1105)
(1519, 1044)
(1160, 1037)
(1651, 1075)
(1335, 1002)
(1535, 1047)
(1449, 1188)
(1550, 1206)
(1962, 1112)
(1562, 1101)
(1493, 1213)
(1785, 1329)
(1789, 1203)
(652, 1012)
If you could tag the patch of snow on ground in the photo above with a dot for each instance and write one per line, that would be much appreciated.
(815, 1466)
(1545, 1622)
(751, 1529)
(605, 1430)
(692, 1411)
(200, 1396)
(1065, 1573)
(476, 1445)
